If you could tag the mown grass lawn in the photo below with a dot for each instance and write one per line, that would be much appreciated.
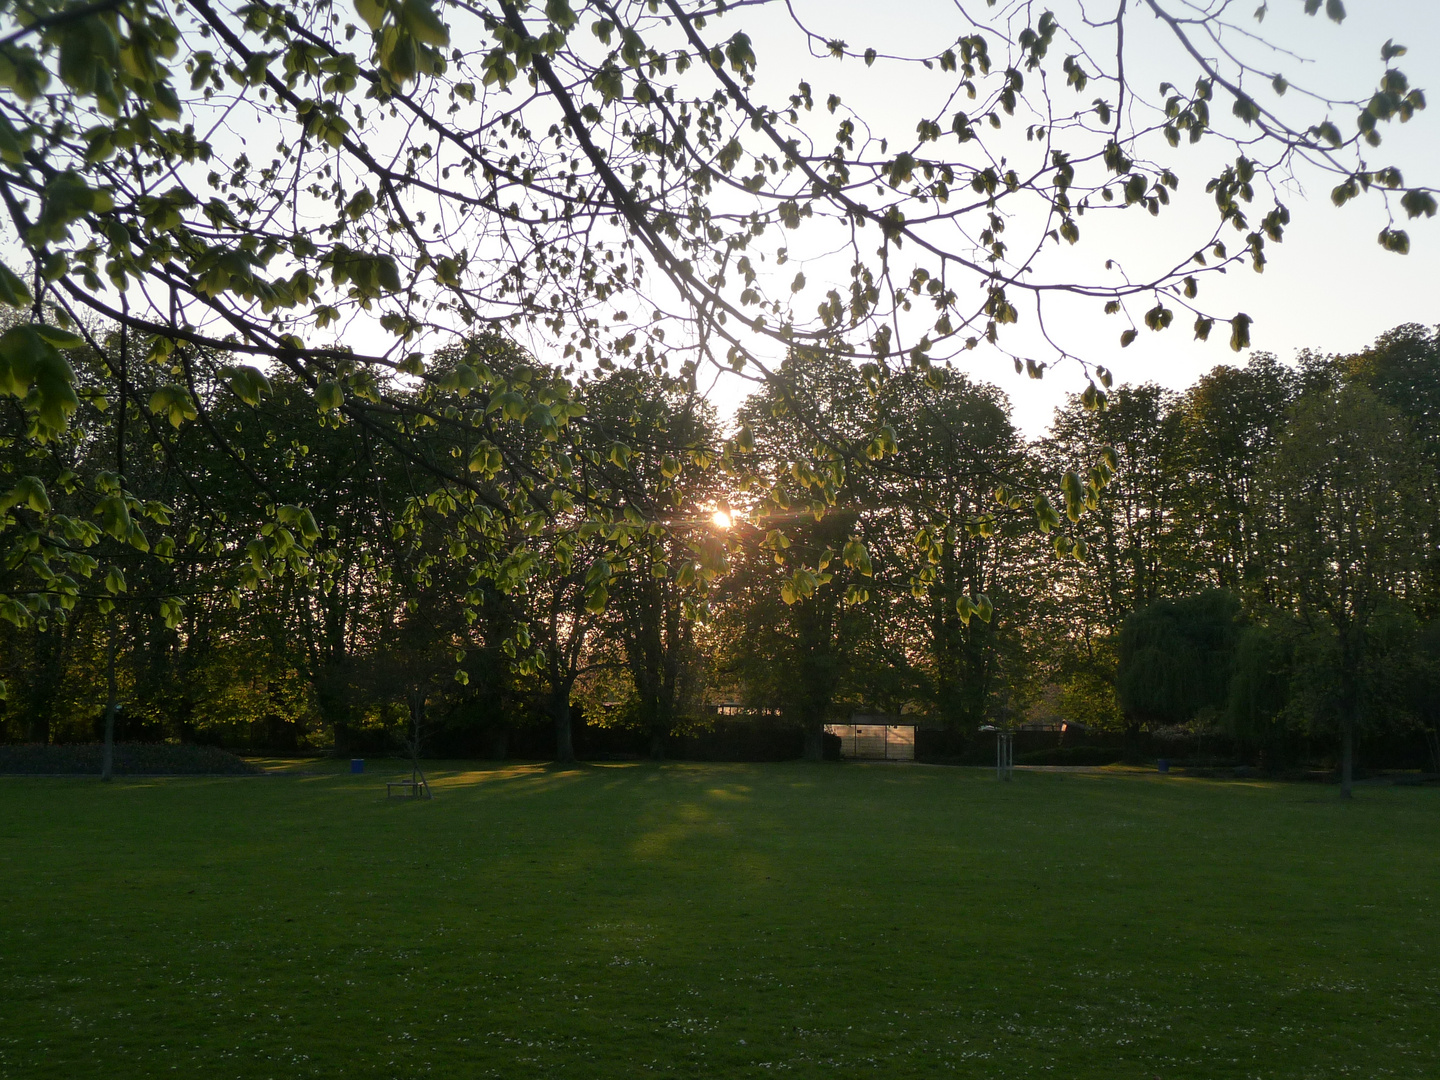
(718, 920)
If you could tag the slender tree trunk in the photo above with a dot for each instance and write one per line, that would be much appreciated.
(1347, 756)
(417, 721)
(107, 756)
(1349, 708)
(564, 742)
(418, 783)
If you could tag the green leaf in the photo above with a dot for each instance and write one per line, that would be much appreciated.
(174, 403)
(510, 405)
(22, 72)
(1240, 332)
(328, 396)
(486, 460)
(32, 368)
(857, 558)
(1418, 202)
(18, 350)
(13, 291)
(249, 384)
(114, 516)
(61, 339)
(1396, 240)
(560, 13)
(372, 11)
(965, 608)
(420, 19)
(309, 530)
(28, 492)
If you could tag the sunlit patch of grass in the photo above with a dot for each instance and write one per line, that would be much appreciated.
(716, 920)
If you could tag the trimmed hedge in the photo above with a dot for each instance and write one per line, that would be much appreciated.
(131, 759)
(1071, 755)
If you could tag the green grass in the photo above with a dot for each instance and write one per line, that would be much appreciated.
(718, 920)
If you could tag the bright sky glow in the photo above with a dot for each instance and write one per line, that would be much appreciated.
(1329, 287)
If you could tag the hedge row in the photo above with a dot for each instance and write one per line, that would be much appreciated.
(131, 759)
(1071, 755)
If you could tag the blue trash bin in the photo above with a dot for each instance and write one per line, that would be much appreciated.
(357, 764)
(1163, 765)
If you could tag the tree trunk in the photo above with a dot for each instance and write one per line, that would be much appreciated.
(1349, 712)
(814, 742)
(564, 743)
(417, 724)
(1347, 757)
(657, 745)
(1132, 741)
(332, 696)
(107, 756)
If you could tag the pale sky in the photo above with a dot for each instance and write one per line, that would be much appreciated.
(1328, 287)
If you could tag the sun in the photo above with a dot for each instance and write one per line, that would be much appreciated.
(721, 519)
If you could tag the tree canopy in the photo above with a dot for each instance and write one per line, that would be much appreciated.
(369, 207)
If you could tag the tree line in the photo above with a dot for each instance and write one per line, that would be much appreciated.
(1255, 555)
(230, 220)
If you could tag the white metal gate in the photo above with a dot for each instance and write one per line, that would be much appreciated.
(875, 742)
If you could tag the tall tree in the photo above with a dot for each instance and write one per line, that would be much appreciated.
(1229, 422)
(652, 614)
(949, 547)
(1403, 369)
(1344, 485)
(1131, 538)
(806, 540)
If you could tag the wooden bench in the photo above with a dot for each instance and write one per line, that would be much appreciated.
(409, 789)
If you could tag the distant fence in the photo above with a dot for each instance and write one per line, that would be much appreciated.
(752, 737)
(722, 739)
